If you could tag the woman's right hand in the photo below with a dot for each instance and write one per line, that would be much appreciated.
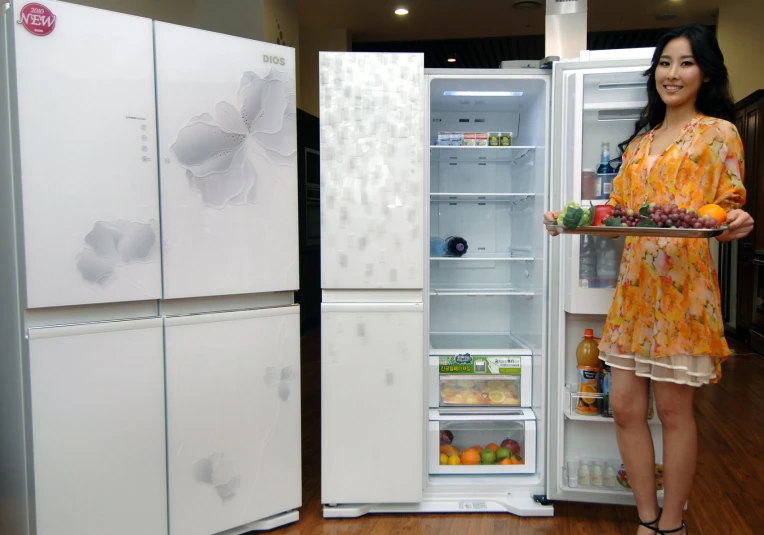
(551, 216)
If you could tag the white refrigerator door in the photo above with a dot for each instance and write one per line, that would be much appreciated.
(98, 428)
(87, 147)
(372, 403)
(228, 151)
(579, 123)
(372, 170)
(233, 418)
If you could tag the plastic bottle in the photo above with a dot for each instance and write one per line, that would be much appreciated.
(587, 268)
(604, 172)
(608, 263)
(596, 474)
(456, 245)
(587, 352)
(583, 474)
(608, 476)
(437, 246)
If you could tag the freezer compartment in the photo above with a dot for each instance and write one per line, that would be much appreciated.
(458, 439)
(466, 380)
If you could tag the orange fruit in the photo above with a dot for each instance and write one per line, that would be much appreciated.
(470, 457)
(493, 447)
(714, 211)
(478, 449)
(505, 461)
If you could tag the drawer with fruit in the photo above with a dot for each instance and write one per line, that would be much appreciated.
(469, 444)
(467, 381)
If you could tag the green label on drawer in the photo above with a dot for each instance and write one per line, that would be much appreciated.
(467, 364)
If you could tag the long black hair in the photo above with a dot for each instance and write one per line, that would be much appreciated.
(714, 97)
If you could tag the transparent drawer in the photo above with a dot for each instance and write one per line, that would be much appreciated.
(463, 442)
(467, 381)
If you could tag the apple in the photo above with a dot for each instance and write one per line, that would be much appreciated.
(503, 453)
(512, 445)
(446, 437)
(487, 457)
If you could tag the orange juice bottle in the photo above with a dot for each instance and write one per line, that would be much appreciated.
(587, 355)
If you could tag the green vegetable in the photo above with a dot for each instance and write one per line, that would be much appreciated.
(645, 212)
(573, 216)
(613, 222)
(647, 222)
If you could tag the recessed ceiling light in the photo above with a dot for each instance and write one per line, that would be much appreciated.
(667, 15)
(483, 93)
(452, 60)
(401, 11)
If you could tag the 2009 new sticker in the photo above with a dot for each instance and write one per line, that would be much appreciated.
(37, 19)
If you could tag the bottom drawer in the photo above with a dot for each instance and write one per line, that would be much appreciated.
(512, 433)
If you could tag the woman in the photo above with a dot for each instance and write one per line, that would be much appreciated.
(665, 322)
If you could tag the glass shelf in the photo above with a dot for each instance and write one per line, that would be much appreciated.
(445, 153)
(486, 257)
(481, 289)
(480, 197)
(444, 343)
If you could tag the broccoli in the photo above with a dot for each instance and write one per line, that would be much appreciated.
(574, 216)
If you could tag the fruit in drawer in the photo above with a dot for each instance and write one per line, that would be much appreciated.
(470, 457)
(446, 437)
(466, 383)
(493, 447)
(512, 445)
(505, 461)
(495, 385)
(497, 396)
(503, 454)
(487, 457)
(443, 458)
(475, 448)
(450, 450)
(454, 459)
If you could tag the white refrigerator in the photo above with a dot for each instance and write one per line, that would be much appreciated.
(424, 351)
(149, 377)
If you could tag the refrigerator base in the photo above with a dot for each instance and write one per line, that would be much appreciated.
(519, 505)
(266, 524)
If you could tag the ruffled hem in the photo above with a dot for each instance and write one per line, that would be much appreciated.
(692, 370)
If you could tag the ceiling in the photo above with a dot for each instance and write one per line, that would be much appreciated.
(375, 21)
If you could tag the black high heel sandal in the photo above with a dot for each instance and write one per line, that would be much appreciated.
(654, 524)
(677, 530)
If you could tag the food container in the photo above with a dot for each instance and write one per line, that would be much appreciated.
(505, 139)
(469, 139)
(481, 140)
(494, 139)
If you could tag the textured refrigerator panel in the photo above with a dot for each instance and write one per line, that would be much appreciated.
(228, 150)
(233, 418)
(87, 127)
(372, 170)
(372, 403)
(99, 429)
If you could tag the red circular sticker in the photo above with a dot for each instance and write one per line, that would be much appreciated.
(37, 19)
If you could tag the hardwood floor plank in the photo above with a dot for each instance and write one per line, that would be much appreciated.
(726, 498)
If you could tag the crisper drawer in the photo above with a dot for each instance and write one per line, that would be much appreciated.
(466, 380)
(458, 439)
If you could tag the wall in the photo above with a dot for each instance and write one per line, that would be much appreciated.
(741, 36)
(176, 12)
(311, 42)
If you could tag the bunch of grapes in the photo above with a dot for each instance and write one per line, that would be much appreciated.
(667, 216)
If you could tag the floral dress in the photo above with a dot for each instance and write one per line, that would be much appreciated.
(665, 321)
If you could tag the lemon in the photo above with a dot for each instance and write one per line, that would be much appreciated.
(443, 458)
(467, 383)
(454, 459)
(497, 397)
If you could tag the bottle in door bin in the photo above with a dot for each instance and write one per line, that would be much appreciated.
(604, 172)
(456, 246)
(605, 376)
(587, 264)
(608, 263)
(587, 356)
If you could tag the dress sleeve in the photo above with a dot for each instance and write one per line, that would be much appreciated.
(616, 195)
(730, 192)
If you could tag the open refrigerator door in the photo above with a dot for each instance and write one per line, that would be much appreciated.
(595, 108)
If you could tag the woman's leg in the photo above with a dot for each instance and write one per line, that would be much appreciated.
(628, 398)
(680, 448)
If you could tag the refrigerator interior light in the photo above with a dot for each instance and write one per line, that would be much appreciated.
(483, 93)
(626, 85)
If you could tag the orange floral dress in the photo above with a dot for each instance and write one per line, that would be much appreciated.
(665, 321)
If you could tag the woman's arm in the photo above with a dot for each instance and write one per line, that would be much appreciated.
(730, 192)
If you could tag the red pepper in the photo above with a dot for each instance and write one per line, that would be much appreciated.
(602, 212)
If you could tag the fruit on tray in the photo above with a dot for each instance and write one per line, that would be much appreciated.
(512, 445)
(470, 457)
(602, 212)
(710, 216)
(574, 215)
(487, 457)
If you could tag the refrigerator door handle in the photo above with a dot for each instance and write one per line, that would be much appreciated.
(92, 327)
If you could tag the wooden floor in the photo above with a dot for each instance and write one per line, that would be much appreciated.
(728, 497)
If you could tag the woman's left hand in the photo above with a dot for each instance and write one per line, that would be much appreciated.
(740, 225)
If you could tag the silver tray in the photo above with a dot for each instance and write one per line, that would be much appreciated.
(652, 232)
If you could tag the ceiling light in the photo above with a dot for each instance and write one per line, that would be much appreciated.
(452, 60)
(482, 93)
(527, 4)
(401, 11)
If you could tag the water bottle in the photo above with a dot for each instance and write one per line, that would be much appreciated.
(587, 268)
(604, 172)
(456, 246)
(437, 246)
(607, 263)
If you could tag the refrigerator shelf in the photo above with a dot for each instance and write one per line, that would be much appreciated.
(482, 289)
(494, 257)
(480, 197)
(485, 344)
(444, 153)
